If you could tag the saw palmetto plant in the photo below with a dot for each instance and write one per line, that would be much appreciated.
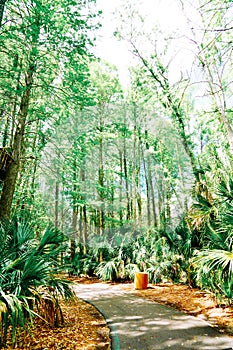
(214, 261)
(29, 282)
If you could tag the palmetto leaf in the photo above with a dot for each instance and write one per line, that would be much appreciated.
(216, 239)
(108, 271)
(62, 287)
(12, 313)
(35, 270)
(225, 188)
(215, 270)
(216, 258)
(26, 263)
(202, 212)
(50, 240)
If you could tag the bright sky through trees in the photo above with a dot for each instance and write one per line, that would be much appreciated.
(164, 14)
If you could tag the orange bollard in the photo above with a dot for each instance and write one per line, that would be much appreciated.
(141, 280)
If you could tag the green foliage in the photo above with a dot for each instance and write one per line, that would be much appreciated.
(212, 217)
(123, 255)
(28, 275)
(214, 269)
(109, 270)
(44, 75)
(123, 166)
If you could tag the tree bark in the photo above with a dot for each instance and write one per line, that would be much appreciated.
(18, 139)
(138, 180)
(148, 205)
(121, 188)
(84, 211)
(85, 229)
(128, 212)
(56, 207)
(72, 241)
(101, 180)
(12, 173)
(2, 7)
(155, 220)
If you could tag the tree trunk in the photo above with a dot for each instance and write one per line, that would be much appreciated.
(168, 206)
(6, 131)
(155, 220)
(121, 188)
(17, 64)
(12, 173)
(2, 6)
(147, 190)
(101, 182)
(72, 240)
(150, 182)
(18, 140)
(84, 229)
(56, 207)
(8, 190)
(128, 213)
(84, 211)
(134, 199)
(138, 182)
(184, 197)
(35, 160)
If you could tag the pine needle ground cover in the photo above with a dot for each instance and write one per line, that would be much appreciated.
(84, 328)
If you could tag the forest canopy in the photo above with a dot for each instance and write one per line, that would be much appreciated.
(131, 178)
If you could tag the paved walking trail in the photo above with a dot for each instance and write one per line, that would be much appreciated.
(139, 324)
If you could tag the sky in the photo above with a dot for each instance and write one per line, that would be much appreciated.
(166, 13)
(107, 46)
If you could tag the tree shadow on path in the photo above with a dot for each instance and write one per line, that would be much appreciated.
(137, 323)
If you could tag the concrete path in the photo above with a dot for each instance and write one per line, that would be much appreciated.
(139, 324)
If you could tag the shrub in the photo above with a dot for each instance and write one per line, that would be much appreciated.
(29, 267)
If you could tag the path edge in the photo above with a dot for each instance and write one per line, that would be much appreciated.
(115, 344)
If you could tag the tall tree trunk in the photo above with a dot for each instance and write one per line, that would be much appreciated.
(84, 209)
(56, 207)
(121, 188)
(2, 6)
(155, 220)
(6, 131)
(2, 130)
(35, 160)
(18, 140)
(148, 204)
(139, 198)
(85, 229)
(128, 211)
(73, 238)
(134, 198)
(17, 64)
(74, 210)
(160, 201)
(184, 200)
(168, 206)
(12, 173)
(101, 180)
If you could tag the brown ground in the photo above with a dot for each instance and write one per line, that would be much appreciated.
(193, 302)
(86, 329)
